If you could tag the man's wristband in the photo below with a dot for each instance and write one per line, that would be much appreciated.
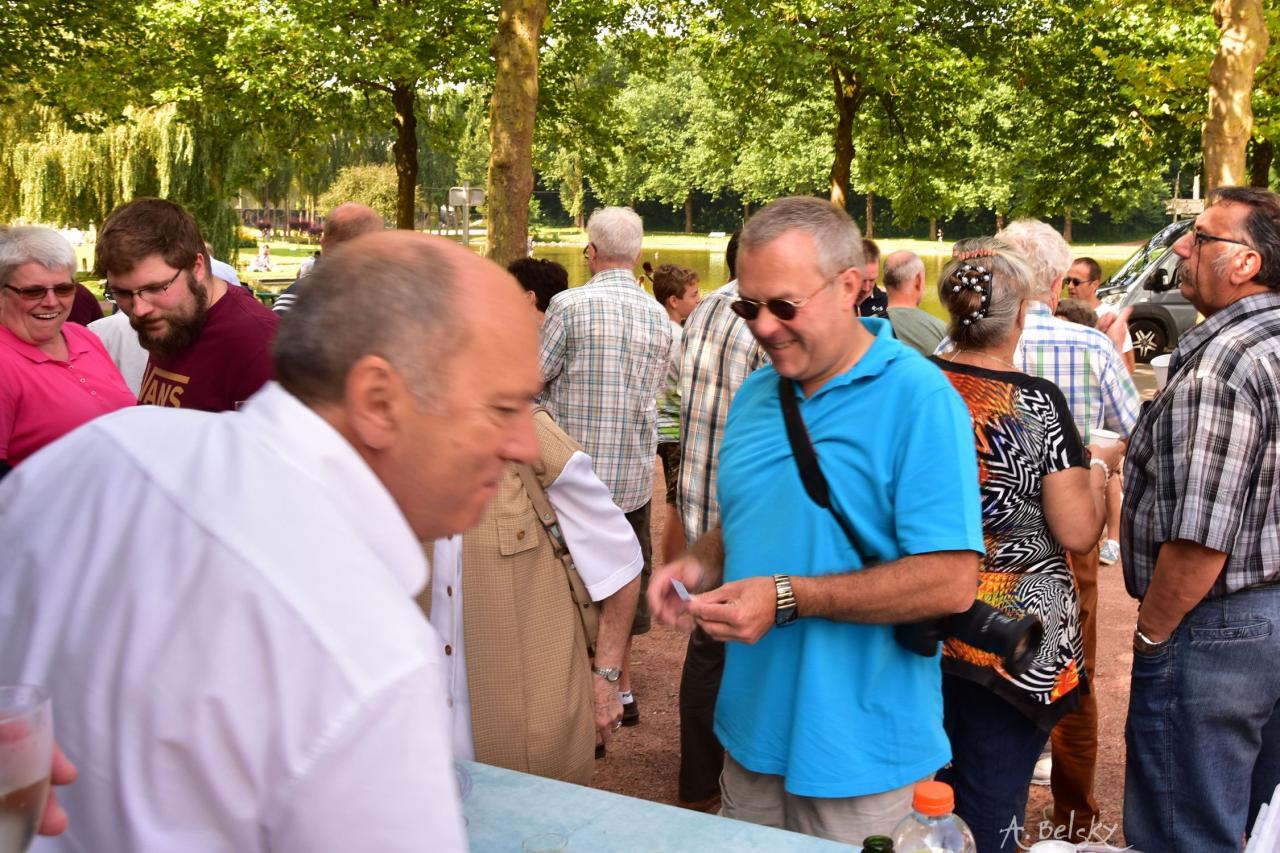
(1106, 469)
(1145, 645)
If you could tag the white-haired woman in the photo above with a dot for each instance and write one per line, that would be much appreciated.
(54, 375)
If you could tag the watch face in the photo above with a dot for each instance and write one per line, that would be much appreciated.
(786, 616)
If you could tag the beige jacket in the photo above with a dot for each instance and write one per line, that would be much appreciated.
(532, 706)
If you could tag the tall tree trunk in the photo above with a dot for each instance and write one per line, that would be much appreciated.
(933, 228)
(848, 94)
(405, 150)
(746, 212)
(1066, 224)
(1242, 43)
(512, 111)
(1264, 153)
(688, 213)
(871, 217)
(999, 220)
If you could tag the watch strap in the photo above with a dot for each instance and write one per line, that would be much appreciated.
(786, 612)
(610, 674)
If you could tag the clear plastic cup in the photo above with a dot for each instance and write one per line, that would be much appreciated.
(26, 760)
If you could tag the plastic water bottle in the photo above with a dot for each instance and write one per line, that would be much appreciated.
(932, 826)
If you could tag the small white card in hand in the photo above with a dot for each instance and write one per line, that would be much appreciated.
(680, 590)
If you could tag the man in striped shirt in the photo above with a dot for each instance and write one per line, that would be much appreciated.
(1085, 364)
(604, 356)
(719, 352)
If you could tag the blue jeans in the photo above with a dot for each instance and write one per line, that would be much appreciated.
(1203, 732)
(994, 749)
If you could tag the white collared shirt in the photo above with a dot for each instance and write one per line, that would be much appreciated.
(222, 608)
(605, 552)
(122, 345)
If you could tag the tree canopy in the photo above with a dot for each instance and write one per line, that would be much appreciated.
(938, 108)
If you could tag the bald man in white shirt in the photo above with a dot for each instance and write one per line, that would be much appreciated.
(222, 604)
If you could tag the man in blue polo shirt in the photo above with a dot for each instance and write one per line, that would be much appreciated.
(827, 722)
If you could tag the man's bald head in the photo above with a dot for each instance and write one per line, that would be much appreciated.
(904, 279)
(395, 294)
(430, 381)
(348, 221)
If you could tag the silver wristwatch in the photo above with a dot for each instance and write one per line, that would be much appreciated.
(786, 611)
(610, 674)
(1144, 645)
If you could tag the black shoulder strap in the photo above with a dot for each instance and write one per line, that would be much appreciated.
(801, 447)
(815, 482)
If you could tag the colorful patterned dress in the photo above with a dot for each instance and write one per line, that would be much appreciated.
(1023, 431)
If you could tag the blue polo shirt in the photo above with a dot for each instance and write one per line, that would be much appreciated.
(838, 708)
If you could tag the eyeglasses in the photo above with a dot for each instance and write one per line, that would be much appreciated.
(585, 253)
(1076, 282)
(35, 293)
(1201, 238)
(147, 291)
(783, 309)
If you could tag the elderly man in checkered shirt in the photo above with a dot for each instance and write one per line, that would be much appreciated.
(1086, 365)
(1201, 546)
(605, 350)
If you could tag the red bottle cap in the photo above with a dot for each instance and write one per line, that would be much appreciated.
(934, 798)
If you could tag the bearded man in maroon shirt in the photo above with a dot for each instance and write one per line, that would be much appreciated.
(210, 344)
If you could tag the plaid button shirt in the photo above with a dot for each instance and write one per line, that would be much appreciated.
(1202, 462)
(1085, 365)
(719, 352)
(605, 349)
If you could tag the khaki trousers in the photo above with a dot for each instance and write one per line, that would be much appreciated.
(1075, 737)
(761, 799)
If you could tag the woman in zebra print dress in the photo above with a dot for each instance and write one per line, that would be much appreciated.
(1040, 494)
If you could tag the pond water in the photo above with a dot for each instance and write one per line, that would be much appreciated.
(711, 268)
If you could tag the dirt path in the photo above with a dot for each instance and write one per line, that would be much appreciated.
(643, 760)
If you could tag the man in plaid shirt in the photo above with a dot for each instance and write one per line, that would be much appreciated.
(1086, 365)
(604, 356)
(719, 352)
(1201, 546)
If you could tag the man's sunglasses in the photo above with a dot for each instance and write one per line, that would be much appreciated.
(783, 309)
(36, 293)
(1076, 282)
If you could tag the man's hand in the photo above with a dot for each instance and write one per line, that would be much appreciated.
(608, 707)
(743, 610)
(1116, 327)
(665, 603)
(54, 820)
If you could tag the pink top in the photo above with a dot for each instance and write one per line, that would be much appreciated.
(42, 398)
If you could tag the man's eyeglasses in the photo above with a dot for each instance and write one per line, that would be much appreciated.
(1201, 238)
(147, 291)
(35, 293)
(1076, 282)
(783, 309)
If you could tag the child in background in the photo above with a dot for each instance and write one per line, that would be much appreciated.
(676, 289)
